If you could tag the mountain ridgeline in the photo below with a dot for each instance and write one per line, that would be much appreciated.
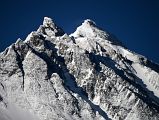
(87, 75)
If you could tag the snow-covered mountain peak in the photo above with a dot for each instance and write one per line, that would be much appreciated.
(89, 22)
(88, 76)
(89, 29)
(49, 28)
(88, 34)
(48, 22)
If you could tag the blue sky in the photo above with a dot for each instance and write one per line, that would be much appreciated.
(134, 22)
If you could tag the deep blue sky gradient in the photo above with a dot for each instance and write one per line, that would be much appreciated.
(134, 22)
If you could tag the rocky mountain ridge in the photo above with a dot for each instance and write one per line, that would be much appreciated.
(87, 75)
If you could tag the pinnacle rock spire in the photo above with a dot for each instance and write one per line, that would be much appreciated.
(48, 22)
(50, 28)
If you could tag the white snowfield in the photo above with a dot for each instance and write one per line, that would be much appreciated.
(88, 39)
(87, 75)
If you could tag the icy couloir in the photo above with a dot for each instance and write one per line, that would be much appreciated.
(87, 75)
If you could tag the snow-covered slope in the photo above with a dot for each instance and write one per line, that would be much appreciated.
(87, 75)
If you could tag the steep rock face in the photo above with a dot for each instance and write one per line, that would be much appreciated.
(88, 75)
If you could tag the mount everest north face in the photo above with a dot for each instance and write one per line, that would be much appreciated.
(87, 75)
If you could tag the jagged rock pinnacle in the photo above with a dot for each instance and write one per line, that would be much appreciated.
(50, 28)
(48, 22)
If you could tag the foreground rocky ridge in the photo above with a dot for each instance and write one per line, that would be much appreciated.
(86, 75)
